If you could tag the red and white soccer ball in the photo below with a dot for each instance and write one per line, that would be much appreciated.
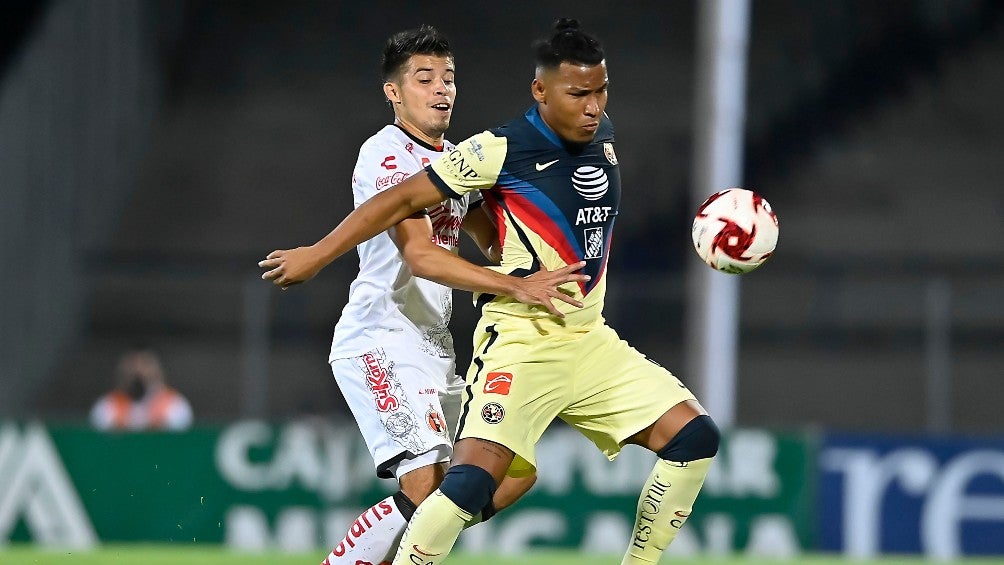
(735, 231)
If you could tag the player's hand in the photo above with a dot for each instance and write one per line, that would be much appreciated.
(541, 288)
(291, 266)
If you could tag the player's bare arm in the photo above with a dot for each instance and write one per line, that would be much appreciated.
(287, 267)
(427, 260)
(481, 229)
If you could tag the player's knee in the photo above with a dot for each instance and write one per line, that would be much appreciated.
(470, 487)
(698, 439)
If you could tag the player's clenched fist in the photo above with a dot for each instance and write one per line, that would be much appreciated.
(287, 267)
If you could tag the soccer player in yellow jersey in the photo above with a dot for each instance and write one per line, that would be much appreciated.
(392, 353)
(550, 179)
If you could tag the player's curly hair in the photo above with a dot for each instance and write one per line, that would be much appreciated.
(423, 40)
(568, 44)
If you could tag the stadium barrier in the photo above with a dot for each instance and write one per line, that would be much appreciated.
(298, 486)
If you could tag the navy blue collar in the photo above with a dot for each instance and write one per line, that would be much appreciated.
(533, 116)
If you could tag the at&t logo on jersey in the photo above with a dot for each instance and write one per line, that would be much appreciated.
(590, 182)
(593, 214)
(594, 242)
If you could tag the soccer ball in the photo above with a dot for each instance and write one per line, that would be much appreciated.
(735, 231)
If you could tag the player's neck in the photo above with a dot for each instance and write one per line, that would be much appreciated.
(417, 133)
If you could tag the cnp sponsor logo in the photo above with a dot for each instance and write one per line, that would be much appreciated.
(498, 383)
(456, 158)
(379, 383)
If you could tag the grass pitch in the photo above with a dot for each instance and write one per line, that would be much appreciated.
(215, 555)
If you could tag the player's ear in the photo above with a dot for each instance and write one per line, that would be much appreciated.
(538, 91)
(391, 92)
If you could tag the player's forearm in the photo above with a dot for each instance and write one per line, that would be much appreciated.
(369, 219)
(439, 265)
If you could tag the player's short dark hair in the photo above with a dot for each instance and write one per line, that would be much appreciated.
(567, 44)
(423, 40)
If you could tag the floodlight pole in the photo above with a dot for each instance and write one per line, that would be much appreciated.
(712, 317)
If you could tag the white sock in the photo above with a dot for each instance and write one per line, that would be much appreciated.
(372, 538)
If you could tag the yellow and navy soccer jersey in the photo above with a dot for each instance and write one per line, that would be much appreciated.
(554, 205)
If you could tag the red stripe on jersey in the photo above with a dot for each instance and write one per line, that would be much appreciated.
(545, 228)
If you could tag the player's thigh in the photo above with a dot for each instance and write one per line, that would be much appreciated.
(394, 394)
(619, 391)
(516, 386)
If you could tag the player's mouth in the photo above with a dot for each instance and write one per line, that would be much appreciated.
(591, 127)
(442, 106)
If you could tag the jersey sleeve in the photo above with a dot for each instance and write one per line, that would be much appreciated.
(475, 164)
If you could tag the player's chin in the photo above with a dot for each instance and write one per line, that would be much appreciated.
(440, 125)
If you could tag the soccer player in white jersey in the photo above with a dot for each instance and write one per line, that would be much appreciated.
(392, 353)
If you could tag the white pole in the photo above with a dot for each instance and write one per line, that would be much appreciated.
(255, 348)
(712, 318)
(938, 355)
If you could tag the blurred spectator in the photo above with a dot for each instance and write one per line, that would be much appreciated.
(141, 399)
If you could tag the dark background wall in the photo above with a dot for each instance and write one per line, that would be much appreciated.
(872, 129)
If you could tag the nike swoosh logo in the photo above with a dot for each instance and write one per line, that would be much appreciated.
(541, 167)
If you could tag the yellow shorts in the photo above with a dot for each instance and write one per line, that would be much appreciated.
(520, 381)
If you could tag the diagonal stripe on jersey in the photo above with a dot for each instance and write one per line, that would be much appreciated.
(534, 209)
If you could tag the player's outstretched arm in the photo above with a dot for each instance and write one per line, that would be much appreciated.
(430, 261)
(286, 267)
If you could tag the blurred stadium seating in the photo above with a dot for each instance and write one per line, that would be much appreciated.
(884, 174)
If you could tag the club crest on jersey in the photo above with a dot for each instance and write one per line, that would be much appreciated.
(436, 421)
(594, 242)
(493, 412)
(608, 152)
(590, 182)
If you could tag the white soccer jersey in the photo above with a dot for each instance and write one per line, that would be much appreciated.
(385, 295)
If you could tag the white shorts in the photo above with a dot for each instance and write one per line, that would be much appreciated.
(405, 402)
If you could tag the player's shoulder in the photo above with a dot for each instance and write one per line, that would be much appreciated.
(519, 129)
(389, 138)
